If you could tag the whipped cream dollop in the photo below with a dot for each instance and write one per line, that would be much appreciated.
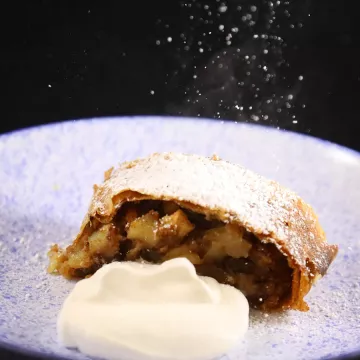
(134, 311)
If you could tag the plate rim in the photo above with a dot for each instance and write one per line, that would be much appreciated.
(23, 350)
(166, 118)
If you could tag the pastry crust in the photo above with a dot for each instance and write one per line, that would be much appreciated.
(226, 192)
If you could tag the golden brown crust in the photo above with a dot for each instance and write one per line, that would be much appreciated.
(229, 193)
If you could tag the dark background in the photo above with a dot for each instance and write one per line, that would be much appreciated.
(288, 64)
(292, 64)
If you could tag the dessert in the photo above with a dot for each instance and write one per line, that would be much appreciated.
(232, 224)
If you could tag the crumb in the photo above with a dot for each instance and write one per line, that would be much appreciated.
(215, 157)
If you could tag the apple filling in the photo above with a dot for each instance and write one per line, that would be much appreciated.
(156, 231)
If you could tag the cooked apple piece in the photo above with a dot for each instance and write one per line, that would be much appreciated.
(176, 225)
(104, 241)
(57, 257)
(134, 252)
(145, 228)
(185, 252)
(80, 260)
(226, 240)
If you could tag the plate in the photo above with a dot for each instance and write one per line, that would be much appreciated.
(46, 181)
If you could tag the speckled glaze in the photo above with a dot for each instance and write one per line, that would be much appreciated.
(46, 181)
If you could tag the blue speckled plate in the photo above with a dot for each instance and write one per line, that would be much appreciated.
(46, 180)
